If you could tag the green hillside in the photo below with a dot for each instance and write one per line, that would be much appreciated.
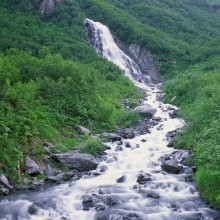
(52, 79)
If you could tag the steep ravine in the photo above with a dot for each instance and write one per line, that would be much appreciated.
(139, 177)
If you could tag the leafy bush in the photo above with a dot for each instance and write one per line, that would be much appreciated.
(128, 118)
(93, 146)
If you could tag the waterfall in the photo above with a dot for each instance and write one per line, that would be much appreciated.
(101, 38)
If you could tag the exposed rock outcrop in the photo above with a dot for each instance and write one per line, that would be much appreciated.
(82, 130)
(44, 6)
(5, 186)
(145, 110)
(171, 166)
(32, 168)
(79, 161)
(145, 60)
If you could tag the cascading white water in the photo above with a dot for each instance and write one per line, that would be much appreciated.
(163, 197)
(105, 46)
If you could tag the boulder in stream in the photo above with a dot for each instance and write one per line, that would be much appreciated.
(79, 161)
(171, 166)
(144, 177)
(145, 110)
(111, 136)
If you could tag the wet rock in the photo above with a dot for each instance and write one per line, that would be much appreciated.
(33, 209)
(157, 119)
(112, 201)
(118, 148)
(189, 178)
(171, 166)
(171, 134)
(144, 177)
(4, 190)
(145, 110)
(100, 207)
(122, 179)
(79, 161)
(127, 144)
(170, 144)
(127, 133)
(104, 191)
(101, 216)
(187, 170)
(103, 168)
(82, 130)
(131, 216)
(173, 114)
(32, 168)
(87, 203)
(4, 182)
(143, 140)
(64, 176)
(150, 194)
(47, 203)
(111, 136)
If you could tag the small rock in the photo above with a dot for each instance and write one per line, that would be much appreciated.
(118, 148)
(127, 144)
(111, 136)
(144, 140)
(152, 195)
(122, 179)
(4, 181)
(103, 168)
(4, 191)
(87, 203)
(143, 178)
(32, 168)
(173, 114)
(171, 166)
(111, 201)
(82, 130)
(128, 133)
(189, 178)
(32, 210)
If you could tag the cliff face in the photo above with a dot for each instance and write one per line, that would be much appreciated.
(145, 60)
(44, 6)
(48, 6)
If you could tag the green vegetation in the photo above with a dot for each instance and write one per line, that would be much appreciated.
(197, 91)
(93, 146)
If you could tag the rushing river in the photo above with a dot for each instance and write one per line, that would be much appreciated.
(116, 194)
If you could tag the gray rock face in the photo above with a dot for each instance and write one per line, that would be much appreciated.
(79, 161)
(32, 168)
(171, 166)
(82, 130)
(127, 133)
(145, 110)
(4, 181)
(111, 136)
(4, 191)
(145, 60)
(144, 178)
(47, 6)
(64, 176)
